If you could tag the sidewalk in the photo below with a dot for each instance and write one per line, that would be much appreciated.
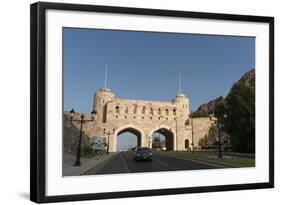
(87, 164)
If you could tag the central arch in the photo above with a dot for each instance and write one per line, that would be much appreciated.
(168, 134)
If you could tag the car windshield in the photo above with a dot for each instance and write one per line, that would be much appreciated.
(141, 149)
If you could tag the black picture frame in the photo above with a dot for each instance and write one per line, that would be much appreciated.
(38, 103)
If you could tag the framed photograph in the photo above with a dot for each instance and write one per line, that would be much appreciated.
(129, 102)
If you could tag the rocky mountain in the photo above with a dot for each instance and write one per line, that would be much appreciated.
(248, 78)
(204, 109)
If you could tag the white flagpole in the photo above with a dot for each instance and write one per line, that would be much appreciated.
(180, 83)
(105, 76)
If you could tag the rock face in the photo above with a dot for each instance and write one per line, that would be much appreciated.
(206, 107)
(70, 136)
(248, 79)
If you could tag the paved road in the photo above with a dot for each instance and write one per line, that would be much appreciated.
(124, 163)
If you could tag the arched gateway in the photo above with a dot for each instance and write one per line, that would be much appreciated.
(115, 116)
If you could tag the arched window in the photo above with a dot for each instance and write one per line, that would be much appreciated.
(143, 110)
(151, 111)
(159, 111)
(117, 109)
(135, 109)
(167, 112)
(174, 111)
(126, 110)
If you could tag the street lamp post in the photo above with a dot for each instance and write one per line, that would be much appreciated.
(220, 155)
(149, 141)
(81, 120)
(108, 133)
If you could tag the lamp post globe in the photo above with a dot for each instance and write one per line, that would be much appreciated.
(72, 112)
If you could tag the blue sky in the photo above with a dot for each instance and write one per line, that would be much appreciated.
(146, 65)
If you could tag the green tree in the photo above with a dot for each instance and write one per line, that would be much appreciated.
(87, 151)
(240, 123)
(157, 143)
(212, 135)
(198, 114)
(203, 142)
(220, 110)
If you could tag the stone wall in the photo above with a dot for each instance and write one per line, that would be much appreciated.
(201, 128)
(142, 118)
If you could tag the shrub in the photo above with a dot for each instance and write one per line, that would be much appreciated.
(87, 151)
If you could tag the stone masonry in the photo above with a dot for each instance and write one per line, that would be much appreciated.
(115, 116)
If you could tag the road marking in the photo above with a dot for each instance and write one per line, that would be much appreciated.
(197, 161)
(167, 165)
(124, 163)
(159, 162)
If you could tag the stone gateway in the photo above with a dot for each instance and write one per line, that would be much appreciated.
(142, 118)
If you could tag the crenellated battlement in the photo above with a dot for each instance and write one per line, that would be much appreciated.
(143, 118)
